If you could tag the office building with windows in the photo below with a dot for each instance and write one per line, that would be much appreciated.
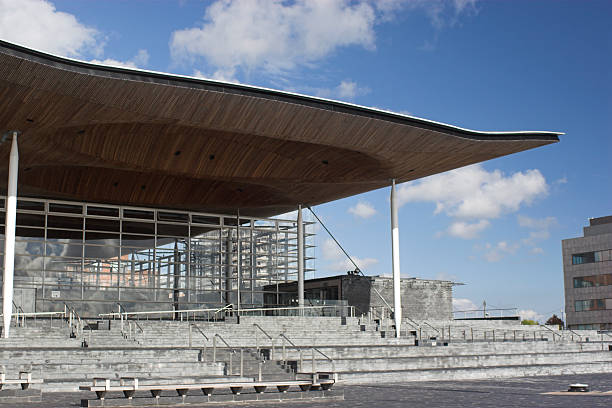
(587, 270)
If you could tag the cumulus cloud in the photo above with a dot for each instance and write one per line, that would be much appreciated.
(539, 231)
(530, 315)
(274, 36)
(338, 262)
(138, 61)
(474, 194)
(460, 304)
(37, 24)
(363, 209)
(495, 253)
(467, 230)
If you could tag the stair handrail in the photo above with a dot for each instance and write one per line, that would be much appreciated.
(438, 331)
(551, 330)
(263, 331)
(289, 341)
(17, 310)
(226, 307)
(225, 342)
(573, 332)
(200, 331)
(72, 310)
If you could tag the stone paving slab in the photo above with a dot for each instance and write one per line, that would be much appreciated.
(516, 392)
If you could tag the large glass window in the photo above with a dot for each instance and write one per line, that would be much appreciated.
(93, 256)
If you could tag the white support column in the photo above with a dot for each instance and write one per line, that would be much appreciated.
(238, 262)
(397, 301)
(300, 244)
(9, 238)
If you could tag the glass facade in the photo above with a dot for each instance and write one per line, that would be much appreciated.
(93, 256)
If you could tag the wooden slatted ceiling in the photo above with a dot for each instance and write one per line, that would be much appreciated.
(98, 137)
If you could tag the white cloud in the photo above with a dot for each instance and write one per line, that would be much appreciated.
(460, 304)
(37, 24)
(498, 252)
(225, 75)
(536, 251)
(539, 231)
(363, 209)
(535, 223)
(337, 261)
(562, 180)
(467, 230)
(530, 315)
(349, 90)
(137, 61)
(274, 36)
(472, 192)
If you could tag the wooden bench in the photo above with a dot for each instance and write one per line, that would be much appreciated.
(25, 380)
(129, 386)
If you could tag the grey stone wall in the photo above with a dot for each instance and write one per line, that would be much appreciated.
(597, 237)
(422, 299)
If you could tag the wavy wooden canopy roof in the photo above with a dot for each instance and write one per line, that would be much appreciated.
(104, 134)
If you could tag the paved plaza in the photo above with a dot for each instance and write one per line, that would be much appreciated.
(516, 392)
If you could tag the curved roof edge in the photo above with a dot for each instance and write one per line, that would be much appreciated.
(136, 74)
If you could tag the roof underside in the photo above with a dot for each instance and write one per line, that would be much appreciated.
(103, 134)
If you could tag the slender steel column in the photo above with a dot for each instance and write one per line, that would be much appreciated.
(9, 238)
(300, 244)
(397, 301)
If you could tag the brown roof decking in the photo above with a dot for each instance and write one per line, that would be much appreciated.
(103, 134)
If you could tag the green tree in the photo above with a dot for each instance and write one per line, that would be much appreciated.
(529, 322)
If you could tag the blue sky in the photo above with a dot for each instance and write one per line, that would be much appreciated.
(484, 65)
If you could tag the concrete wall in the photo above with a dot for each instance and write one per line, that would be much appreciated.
(421, 299)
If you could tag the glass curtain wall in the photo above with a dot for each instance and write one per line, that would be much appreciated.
(92, 256)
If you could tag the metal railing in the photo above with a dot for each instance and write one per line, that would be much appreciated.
(257, 348)
(309, 311)
(71, 314)
(188, 314)
(193, 325)
(485, 313)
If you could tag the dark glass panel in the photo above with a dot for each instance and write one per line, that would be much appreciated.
(30, 205)
(30, 232)
(55, 221)
(31, 220)
(102, 211)
(98, 224)
(65, 208)
(173, 230)
(172, 217)
(139, 214)
(202, 219)
(138, 227)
